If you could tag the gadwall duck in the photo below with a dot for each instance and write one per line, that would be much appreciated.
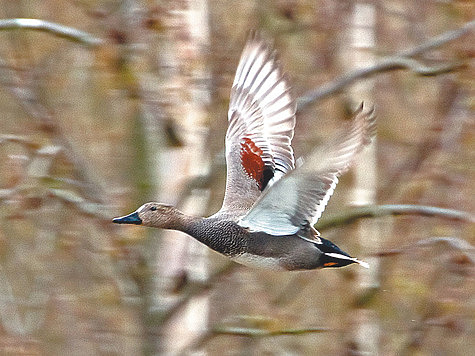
(270, 206)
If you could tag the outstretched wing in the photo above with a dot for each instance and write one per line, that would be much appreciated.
(298, 199)
(261, 126)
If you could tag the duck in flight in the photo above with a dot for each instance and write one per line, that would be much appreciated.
(270, 205)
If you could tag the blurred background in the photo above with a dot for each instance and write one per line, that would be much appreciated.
(108, 104)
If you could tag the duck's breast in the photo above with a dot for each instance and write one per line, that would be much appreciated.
(257, 261)
(222, 235)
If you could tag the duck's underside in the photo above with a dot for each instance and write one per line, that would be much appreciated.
(259, 249)
(292, 253)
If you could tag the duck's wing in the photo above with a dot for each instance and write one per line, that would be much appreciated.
(299, 198)
(261, 126)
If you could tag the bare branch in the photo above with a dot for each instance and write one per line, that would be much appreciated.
(399, 61)
(249, 332)
(375, 211)
(452, 242)
(440, 40)
(22, 140)
(82, 205)
(228, 330)
(69, 33)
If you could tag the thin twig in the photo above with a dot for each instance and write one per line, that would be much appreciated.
(82, 205)
(452, 242)
(248, 332)
(239, 331)
(439, 40)
(69, 33)
(399, 61)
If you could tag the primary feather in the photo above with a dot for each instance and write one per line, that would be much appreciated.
(261, 126)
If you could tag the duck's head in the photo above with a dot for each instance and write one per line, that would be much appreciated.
(152, 214)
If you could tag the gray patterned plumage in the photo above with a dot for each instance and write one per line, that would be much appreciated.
(270, 206)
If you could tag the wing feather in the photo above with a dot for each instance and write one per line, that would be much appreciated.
(300, 197)
(261, 114)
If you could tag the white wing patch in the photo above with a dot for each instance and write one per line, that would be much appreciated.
(323, 203)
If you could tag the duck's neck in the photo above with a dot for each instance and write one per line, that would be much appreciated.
(179, 221)
(196, 227)
(217, 234)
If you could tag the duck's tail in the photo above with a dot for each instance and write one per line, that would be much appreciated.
(333, 256)
(332, 259)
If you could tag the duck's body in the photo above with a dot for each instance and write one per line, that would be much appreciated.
(270, 206)
(300, 251)
(257, 249)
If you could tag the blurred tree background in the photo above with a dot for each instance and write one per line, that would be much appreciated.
(108, 104)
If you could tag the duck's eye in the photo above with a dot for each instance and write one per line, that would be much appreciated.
(153, 208)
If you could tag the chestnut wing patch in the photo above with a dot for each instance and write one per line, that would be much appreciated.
(253, 163)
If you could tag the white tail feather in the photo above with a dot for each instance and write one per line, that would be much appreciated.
(343, 257)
